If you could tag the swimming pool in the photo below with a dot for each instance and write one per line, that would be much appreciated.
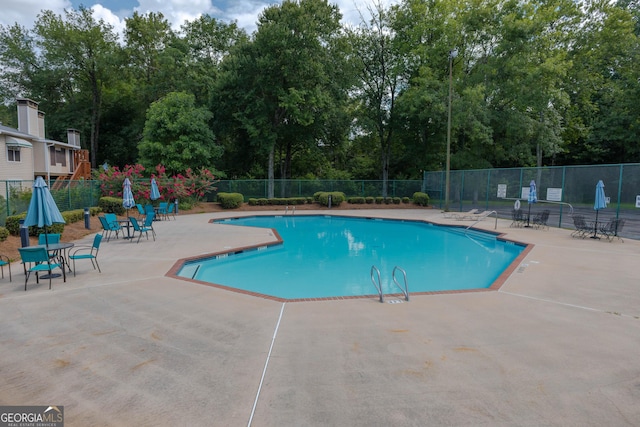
(331, 256)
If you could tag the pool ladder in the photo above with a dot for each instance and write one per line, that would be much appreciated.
(375, 274)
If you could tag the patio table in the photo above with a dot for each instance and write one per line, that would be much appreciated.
(59, 250)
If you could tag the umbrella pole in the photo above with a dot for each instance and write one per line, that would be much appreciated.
(595, 225)
(529, 215)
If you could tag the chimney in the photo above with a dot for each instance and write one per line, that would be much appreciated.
(28, 117)
(73, 137)
(41, 124)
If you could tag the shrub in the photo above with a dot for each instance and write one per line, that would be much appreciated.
(253, 201)
(230, 200)
(406, 200)
(111, 205)
(357, 200)
(4, 233)
(337, 197)
(369, 200)
(12, 223)
(396, 200)
(379, 200)
(421, 199)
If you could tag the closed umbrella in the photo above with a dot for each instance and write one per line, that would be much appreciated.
(533, 198)
(600, 203)
(155, 193)
(43, 211)
(127, 195)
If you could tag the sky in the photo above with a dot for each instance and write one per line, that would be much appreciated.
(244, 12)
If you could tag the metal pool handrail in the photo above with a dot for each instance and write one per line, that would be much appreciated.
(488, 215)
(405, 291)
(378, 285)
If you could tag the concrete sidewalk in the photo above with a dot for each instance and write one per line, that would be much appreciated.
(557, 345)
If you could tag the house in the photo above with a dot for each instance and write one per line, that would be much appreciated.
(26, 152)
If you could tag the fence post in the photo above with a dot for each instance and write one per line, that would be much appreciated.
(619, 192)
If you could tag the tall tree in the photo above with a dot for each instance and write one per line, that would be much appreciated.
(280, 86)
(382, 76)
(208, 42)
(83, 47)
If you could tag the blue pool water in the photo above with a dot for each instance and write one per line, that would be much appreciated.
(331, 256)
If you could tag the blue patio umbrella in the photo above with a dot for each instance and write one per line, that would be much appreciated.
(533, 198)
(43, 211)
(127, 195)
(600, 203)
(155, 193)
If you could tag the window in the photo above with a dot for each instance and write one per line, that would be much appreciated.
(13, 154)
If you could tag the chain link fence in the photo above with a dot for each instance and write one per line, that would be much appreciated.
(564, 190)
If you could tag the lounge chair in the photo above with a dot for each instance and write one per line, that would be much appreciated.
(42, 262)
(611, 229)
(78, 254)
(540, 220)
(456, 215)
(4, 260)
(582, 228)
(476, 216)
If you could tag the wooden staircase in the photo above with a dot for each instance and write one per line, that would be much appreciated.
(82, 171)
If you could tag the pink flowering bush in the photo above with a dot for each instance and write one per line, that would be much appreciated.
(190, 185)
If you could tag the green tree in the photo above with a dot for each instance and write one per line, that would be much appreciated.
(81, 47)
(279, 88)
(177, 135)
(208, 41)
(603, 123)
(382, 77)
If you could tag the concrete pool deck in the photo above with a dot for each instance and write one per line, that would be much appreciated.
(556, 345)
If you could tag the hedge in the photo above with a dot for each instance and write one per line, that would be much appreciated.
(421, 199)
(230, 200)
(12, 223)
(337, 197)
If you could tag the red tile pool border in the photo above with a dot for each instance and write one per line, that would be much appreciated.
(496, 285)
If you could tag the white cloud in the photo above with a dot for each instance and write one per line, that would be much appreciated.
(244, 12)
(25, 12)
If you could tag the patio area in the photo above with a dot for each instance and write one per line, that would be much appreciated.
(556, 345)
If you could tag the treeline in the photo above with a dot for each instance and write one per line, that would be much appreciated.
(532, 83)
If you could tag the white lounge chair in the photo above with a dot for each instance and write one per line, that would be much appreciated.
(475, 216)
(459, 215)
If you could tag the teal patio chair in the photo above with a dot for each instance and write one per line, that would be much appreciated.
(42, 263)
(114, 225)
(78, 253)
(141, 229)
(162, 210)
(4, 260)
(141, 212)
(107, 228)
(171, 210)
(48, 238)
